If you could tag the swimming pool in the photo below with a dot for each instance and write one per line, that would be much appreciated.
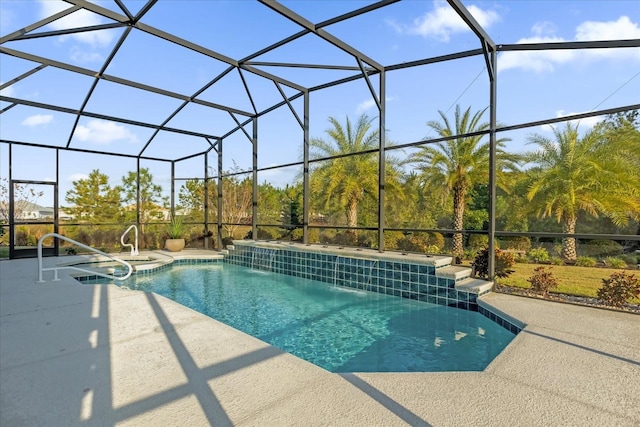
(337, 328)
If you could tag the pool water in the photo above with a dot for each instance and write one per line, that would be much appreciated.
(338, 329)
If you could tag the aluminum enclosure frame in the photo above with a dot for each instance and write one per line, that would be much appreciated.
(364, 67)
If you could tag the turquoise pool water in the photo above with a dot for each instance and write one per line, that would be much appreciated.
(338, 329)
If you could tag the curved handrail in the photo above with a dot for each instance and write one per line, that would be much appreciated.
(94, 273)
(134, 251)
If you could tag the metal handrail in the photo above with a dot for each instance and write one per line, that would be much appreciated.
(134, 251)
(94, 273)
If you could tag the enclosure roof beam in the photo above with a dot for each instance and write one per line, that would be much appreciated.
(39, 24)
(466, 16)
(69, 31)
(263, 112)
(124, 9)
(312, 66)
(101, 116)
(8, 107)
(106, 63)
(304, 23)
(594, 44)
(435, 59)
(171, 38)
(273, 77)
(184, 104)
(83, 150)
(95, 8)
(107, 77)
(357, 12)
(23, 76)
(293, 111)
(275, 45)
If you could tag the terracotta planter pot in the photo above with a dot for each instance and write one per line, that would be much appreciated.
(174, 245)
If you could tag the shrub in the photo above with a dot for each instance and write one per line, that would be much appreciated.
(478, 241)
(346, 238)
(600, 248)
(314, 235)
(521, 258)
(82, 236)
(585, 261)
(22, 238)
(432, 249)
(414, 242)
(469, 254)
(618, 289)
(631, 259)
(615, 262)
(148, 240)
(391, 239)
(538, 255)
(436, 239)
(557, 260)
(227, 241)
(297, 235)
(411, 243)
(504, 262)
(542, 280)
(518, 243)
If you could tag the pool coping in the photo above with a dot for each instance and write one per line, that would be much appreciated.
(142, 360)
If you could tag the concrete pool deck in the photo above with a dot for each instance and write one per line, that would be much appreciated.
(73, 354)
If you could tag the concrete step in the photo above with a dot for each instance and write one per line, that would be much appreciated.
(473, 285)
(455, 272)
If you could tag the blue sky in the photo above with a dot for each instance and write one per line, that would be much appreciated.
(531, 85)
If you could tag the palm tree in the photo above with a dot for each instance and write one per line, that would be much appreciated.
(453, 166)
(593, 174)
(346, 181)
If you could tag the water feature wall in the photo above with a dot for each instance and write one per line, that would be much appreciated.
(428, 279)
(408, 278)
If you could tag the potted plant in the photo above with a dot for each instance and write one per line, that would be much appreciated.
(175, 231)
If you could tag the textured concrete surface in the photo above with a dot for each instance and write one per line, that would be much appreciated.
(73, 354)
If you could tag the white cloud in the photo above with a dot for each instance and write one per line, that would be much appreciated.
(103, 132)
(8, 91)
(83, 57)
(365, 105)
(80, 18)
(369, 104)
(537, 60)
(588, 122)
(443, 21)
(548, 60)
(37, 120)
(622, 29)
(279, 177)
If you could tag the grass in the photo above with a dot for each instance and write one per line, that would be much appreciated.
(580, 281)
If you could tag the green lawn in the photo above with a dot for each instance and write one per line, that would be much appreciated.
(581, 281)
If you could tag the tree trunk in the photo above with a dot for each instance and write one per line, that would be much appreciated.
(459, 196)
(569, 243)
(352, 218)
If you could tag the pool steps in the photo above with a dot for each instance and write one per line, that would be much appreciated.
(141, 264)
